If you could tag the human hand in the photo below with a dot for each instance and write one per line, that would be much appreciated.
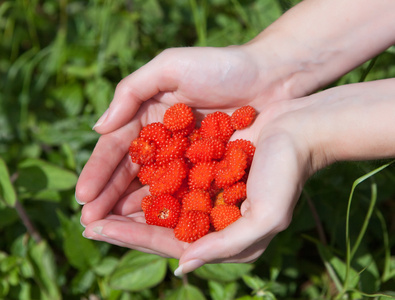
(206, 79)
(293, 139)
(126, 226)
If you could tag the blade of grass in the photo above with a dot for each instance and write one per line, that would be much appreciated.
(366, 220)
(199, 18)
(329, 268)
(387, 273)
(348, 243)
(368, 69)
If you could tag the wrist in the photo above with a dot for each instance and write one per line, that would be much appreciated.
(288, 71)
(316, 42)
(347, 123)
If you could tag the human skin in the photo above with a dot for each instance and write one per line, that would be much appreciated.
(293, 140)
(299, 53)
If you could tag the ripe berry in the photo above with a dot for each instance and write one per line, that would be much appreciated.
(163, 211)
(197, 200)
(205, 150)
(232, 168)
(168, 177)
(201, 175)
(155, 132)
(217, 125)
(142, 151)
(235, 193)
(222, 216)
(192, 225)
(178, 117)
(146, 173)
(247, 146)
(242, 117)
(173, 148)
(195, 135)
(146, 202)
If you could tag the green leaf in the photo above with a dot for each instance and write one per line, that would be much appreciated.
(222, 291)
(7, 192)
(70, 96)
(254, 282)
(138, 271)
(8, 216)
(4, 289)
(186, 292)
(223, 272)
(80, 252)
(106, 266)
(340, 267)
(36, 175)
(369, 274)
(99, 100)
(44, 266)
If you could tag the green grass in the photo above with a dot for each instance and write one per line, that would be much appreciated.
(54, 57)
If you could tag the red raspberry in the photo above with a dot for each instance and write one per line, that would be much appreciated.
(182, 190)
(163, 211)
(186, 131)
(232, 168)
(205, 150)
(235, 193)
(217, 125)
(146, 202)
(223, 215)
(195, 135)
(201, 175)
(178, 117)
(168, 177)
(142, 151)
(197, 200)
(173, 148)
(155, 132)
(146, 173)
(242, 117)
(192, 225)
(247, 146)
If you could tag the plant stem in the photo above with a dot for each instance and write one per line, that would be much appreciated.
(31, 229)
(320, 228)
(27, 222)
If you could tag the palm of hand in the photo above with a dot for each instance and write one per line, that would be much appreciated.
(108, 182)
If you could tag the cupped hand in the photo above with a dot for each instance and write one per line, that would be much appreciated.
(278, 171)
(206, 79)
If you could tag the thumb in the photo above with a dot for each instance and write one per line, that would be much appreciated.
(131, 92)
(273, 186)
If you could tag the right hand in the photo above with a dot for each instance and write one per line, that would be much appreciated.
(206, 79)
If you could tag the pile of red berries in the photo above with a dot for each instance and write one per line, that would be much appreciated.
(196, 176)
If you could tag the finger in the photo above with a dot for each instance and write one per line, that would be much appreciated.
(106, 157)
(108, 197)
(137, 235)
(131, 202)
(101, 237)
(138, 217)
(159, 75)
(272, 189)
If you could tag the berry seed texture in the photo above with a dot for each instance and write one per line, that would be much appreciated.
(196, 176)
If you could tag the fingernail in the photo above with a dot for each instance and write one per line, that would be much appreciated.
(101, 120)
(98, 230)
(188, 267)
(83, 225)
(78, 200)
(84, 235)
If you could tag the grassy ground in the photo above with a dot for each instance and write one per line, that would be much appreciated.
(54, 57)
